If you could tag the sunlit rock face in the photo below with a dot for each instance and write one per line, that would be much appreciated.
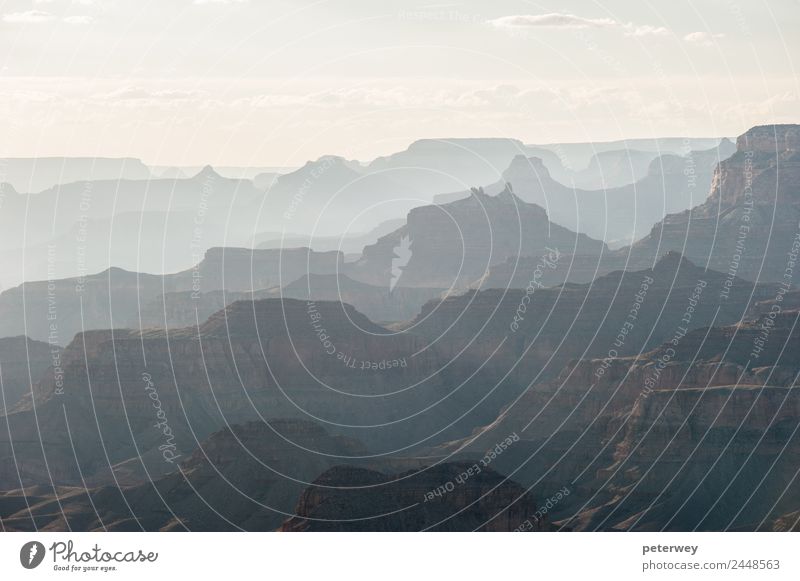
(751, 219)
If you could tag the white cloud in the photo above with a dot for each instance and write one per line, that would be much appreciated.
(570, 21)
(552, 20)
(644, 30)
(702, 38)
(79, 20)
(27, 17)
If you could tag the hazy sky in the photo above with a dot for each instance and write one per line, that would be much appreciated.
(236, 82)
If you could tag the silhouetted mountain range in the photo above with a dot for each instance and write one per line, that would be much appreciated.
(480, 366)
(615, 213)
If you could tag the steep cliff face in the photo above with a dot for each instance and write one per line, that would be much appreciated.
(453, 245)
(347, 498)
(708, 458)
(721, 455)
(670, 183)
(244, 477)
(751, 219)
(701, 432)
(771, 139)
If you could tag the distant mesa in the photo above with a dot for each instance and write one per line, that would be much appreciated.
(32, 175)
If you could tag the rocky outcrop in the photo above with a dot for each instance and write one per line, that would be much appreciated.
(453, 245)
(347, 498)
(771, 139)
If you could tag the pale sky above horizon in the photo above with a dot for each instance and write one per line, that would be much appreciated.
(275, 83)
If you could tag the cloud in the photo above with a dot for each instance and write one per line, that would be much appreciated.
(702, 38)
(27, 17)
(552, 20)
(79, 20)
(570, 21)
(644, 30)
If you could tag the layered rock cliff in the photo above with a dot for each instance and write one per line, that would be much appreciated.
(750, 222)
(700, 433)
